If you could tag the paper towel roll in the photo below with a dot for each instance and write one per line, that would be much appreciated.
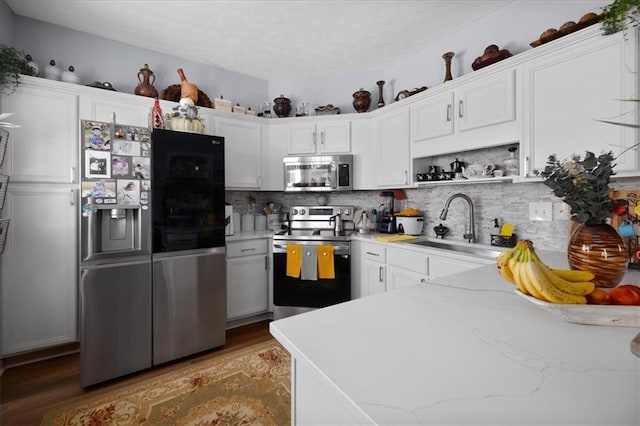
(247, 222)
(260, 222)
(236, 223)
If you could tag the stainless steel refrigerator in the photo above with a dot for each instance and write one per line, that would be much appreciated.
(189, 272)
(152, 267)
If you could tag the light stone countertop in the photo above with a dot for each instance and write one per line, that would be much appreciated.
(467, 350)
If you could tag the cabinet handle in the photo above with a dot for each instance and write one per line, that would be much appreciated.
(322, 138)
(72, 178)
(259, 181)
(372, 254)
(72, 197)
(266, 263)
(526, 166)
(248, 249)
(406, 177)
(380, 271)
(315, 138)
(448, 112)
(460, 109)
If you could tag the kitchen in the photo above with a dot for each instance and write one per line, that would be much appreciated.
(489, 198)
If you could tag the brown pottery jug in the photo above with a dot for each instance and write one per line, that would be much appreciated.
(282, 106)
(361, 100)
(146, 78)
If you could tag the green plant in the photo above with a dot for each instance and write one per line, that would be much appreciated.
(12, 64)
(584, 185)
(616, 14)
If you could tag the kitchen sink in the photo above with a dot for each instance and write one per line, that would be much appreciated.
(467, 249)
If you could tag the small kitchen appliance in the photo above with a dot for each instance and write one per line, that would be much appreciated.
(318, 173)
(410, 225)
(387, 221)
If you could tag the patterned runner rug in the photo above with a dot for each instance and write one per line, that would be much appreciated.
(251, 386)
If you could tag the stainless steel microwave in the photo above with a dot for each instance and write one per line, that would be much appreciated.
(318, 173)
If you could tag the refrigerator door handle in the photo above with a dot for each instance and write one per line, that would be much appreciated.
(189, 253)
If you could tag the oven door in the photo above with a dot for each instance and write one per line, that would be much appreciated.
(296, 292)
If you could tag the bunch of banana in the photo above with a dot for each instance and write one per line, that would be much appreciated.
(522, 266)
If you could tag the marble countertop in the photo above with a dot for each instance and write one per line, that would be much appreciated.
(465, 350)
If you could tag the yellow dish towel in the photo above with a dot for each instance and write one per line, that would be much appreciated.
(394, 238)
(326, 268)
(294, 260)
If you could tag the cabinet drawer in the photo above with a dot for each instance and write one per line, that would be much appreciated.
(407, 259)
(374, 252)
(247, 248)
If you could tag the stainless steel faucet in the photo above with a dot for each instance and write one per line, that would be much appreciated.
(471, 235)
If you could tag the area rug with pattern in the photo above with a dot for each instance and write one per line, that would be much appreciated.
(250, 386)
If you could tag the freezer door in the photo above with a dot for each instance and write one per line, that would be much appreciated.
(115, 328)
(189, 304)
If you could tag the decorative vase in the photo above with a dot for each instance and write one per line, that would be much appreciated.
(182, 124)
(146, 79)
(282, 106)
(380, 98)
(447, 63)
(599, 249)
(361, 100)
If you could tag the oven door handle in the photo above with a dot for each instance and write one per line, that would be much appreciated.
(340, 249)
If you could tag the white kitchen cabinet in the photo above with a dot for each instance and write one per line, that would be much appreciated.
(39, 267)
(275, 149)
(572, 86)
(469, 116)
(319, 137)
(247, 278)
(45, 147)
(127, 109)
(394, 162)
(242, 152)
(406, 267)
(443, 265)
(373, 269)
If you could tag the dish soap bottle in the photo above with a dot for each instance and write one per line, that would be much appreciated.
(512, 163)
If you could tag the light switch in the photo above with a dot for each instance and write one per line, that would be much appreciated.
(541, 211)
(561, 211)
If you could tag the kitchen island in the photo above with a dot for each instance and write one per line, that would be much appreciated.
(460, 350)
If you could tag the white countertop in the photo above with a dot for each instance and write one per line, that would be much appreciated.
(467, 350)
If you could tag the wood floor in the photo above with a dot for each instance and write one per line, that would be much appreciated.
(28, 391)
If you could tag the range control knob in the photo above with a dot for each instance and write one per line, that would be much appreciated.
(294, 212)
(302, 211)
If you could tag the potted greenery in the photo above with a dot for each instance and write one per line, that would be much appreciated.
(617, 13)
(12, 64)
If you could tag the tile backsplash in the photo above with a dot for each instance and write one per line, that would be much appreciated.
(508, 202)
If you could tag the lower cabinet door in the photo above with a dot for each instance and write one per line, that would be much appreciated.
(398, 277)
(247, 286)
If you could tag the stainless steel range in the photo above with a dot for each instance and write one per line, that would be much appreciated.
(313, 229)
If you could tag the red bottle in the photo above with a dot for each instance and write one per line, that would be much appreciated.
(157, 120)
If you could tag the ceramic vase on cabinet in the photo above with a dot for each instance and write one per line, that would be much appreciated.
(362, 100)
(282, 106)
(146, 79)
(599, 249)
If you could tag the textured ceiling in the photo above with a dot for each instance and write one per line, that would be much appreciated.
(269, 39)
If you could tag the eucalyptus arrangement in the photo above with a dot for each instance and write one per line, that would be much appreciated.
(584, 185)
(12, 64)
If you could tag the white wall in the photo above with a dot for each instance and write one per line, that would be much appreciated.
(511, 27)
(6, 24)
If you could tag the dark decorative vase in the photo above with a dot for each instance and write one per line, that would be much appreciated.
(362, 100)
(598, 249)
(447, 63)
(282, 106)
(380, 98)
(146, 79)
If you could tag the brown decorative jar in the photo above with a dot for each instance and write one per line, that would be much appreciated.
(599, 249)
(282, 106)
(362, 100)
(146, 79)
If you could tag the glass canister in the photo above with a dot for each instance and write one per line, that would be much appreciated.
(512, 164)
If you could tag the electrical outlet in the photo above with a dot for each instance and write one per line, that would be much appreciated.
(541, 211)
(561, 211)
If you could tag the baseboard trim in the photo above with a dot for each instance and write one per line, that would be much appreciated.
(28, 357)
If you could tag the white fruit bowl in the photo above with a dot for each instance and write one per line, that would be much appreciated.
(612, 315)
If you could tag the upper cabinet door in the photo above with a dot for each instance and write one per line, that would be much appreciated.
(394, 166)
(570, 89)
(432, 117)
(242, 152)
(302, 138)
(45, 147)
(132, 111)
(488, 101)
(335, 137)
